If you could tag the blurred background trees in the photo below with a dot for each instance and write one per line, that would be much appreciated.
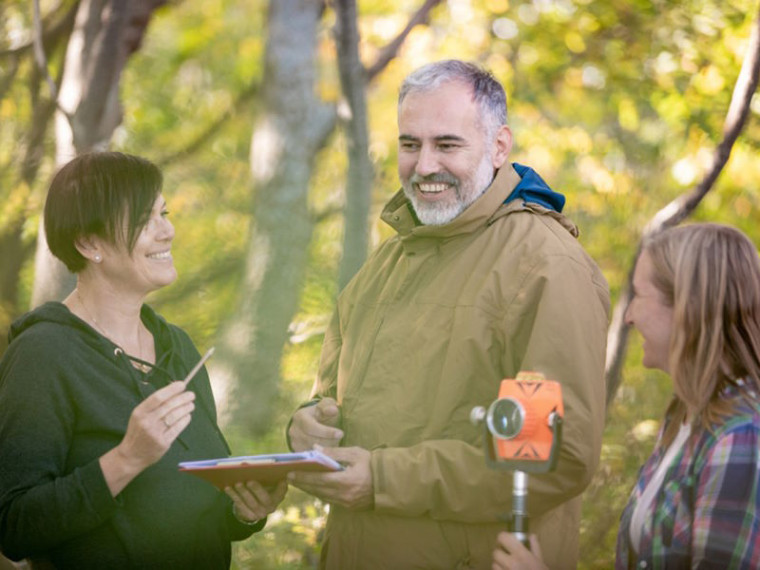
(274, 123)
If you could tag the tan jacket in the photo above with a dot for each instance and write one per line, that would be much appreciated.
(426, 331)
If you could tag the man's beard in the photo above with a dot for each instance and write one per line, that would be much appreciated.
(444, 211)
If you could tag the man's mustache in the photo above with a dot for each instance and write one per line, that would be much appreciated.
(442, 177)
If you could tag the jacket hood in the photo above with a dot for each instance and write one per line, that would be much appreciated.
(533, 190)
(58, 315)
(54, 313)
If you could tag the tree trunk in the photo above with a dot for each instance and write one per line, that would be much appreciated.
(360, 172)
(354, 78)
(106, 33)
(13, 249)
(13, 252)
(286, 140)
(682, 207)
(284, 145)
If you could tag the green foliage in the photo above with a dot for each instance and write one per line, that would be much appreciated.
(617, 103)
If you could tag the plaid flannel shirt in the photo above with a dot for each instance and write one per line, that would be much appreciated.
(706, 514)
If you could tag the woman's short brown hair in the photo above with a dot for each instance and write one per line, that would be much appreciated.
(105, 194)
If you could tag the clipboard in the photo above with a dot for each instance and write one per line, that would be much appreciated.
(266, 469)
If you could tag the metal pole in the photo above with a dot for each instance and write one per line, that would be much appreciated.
(519, 506)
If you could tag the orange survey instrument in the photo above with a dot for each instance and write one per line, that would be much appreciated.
(523, 431)
(523, 426)
(524, 421)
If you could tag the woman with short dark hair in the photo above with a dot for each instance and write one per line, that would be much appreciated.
(93, 421)
(95, 195)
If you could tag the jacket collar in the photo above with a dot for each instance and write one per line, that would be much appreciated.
(398, 213)
(514, 188)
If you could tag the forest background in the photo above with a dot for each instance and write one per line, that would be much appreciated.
(274, 123)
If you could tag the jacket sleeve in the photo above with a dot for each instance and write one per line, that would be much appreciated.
(326, 384)
(567, 342)
(40, 506)
(557, 325)
(727, 502)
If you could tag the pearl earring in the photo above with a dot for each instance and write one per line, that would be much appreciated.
(98, 259)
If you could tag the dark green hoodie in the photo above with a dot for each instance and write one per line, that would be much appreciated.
(66, 395)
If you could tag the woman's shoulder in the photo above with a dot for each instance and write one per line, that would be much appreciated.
(47, 330)
(746, 417)
(739, 429)
(745, 403)
(43, 345)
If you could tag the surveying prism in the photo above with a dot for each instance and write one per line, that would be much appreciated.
(523, 431)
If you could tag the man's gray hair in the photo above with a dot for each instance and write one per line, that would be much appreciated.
(487, 92)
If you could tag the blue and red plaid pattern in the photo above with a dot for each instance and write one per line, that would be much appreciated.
(706, 514)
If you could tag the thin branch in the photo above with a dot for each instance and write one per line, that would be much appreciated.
(223, 266)
(40, 39)
(211, 130)
(683, 206)
(50, 34)
(360, 172)
(738, 111)
(39, 52)
(7, 80)
(326, 213)
(389, 52)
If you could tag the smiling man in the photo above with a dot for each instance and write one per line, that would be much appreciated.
(445, 162)
(484, 278)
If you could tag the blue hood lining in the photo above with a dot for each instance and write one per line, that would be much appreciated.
(532, 188)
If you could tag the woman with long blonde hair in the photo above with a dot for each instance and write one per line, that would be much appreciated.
(696, 503)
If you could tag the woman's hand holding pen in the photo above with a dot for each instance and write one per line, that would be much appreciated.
(154, 424)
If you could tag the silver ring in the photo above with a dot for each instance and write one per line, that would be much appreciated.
(166, 423)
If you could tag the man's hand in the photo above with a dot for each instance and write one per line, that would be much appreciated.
(351, 488)
(316, 425)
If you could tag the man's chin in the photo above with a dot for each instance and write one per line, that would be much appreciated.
(435, 215)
